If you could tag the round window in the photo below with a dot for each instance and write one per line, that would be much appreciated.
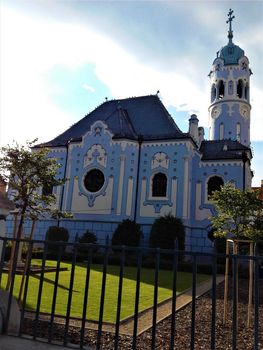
(94, 180)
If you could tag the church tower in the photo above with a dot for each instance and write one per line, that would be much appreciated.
(229, 111)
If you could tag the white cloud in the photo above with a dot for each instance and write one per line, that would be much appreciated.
(88, 88)
(28, 54)
(31, 48)
(256, 114)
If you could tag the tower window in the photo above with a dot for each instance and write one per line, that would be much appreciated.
(213, 93)
(221, 131)
(214, 184)
(240, 88)
(159, 185)
(221, 89)
(230, 87)
(238, 131)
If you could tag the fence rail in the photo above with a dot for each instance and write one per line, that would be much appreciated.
(99, 296)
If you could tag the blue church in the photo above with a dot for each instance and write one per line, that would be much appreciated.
(128, 159)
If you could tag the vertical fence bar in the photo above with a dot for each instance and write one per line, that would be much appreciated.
(2, 262)
(250, 288)
(192, 346)
(27, 272)
(85, 300)
(137, 297)
(40, 287)
(173, 322)
(226, 283)
(213, 320)
(155, 299)
(102, 296)
(117, 327)
(11, 275)
(71, 283)
(54, 299)
(256, 299)
(234, 296)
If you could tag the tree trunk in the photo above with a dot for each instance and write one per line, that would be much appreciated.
(15, 249)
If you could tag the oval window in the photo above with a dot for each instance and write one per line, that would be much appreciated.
(94, 180)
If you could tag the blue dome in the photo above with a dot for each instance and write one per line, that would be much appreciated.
(231, 53)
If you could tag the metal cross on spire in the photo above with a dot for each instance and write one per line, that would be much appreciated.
(230, 19)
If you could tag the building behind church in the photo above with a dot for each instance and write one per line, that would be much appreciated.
(128, 159)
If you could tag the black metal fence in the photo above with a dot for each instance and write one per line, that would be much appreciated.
(42, 265)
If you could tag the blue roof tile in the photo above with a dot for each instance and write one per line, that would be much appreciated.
(129, 118)
(222, 149)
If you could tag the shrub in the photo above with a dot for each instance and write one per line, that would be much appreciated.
(56, 234)
(127, 233)
(87, 237)
(165, 230)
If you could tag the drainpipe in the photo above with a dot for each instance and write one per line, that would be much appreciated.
(244, 159)
(140, 139)
(64, 177)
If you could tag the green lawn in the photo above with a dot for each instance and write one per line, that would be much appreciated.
(128, 295)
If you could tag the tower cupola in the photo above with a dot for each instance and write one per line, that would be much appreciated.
(229, 111)
(231, 53)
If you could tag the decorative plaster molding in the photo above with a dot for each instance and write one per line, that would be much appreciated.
(95, 154)
(160, 159)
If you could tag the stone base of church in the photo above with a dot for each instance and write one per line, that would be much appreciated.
(196, 238)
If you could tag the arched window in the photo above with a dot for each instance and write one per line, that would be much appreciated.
(238, 131)
(159, 185)
(213, 93)
(214, 184)
(240, 88)
(221, 131)
(230, 87)
(221, 89)
(246, 92)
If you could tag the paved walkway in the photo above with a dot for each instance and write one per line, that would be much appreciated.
(15, 343)
(126, 327)
(165, 308)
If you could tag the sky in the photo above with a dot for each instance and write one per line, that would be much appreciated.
(60, 59)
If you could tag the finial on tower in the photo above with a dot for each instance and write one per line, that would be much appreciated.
(230, 19)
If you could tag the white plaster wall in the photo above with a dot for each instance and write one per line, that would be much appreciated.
(186, 188)
(149, 211)
(200, 214)
(120, 187)
(129, 197)
(102, 204)
(174, 197)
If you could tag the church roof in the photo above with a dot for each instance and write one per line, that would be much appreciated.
(129, 118)
(222, 149)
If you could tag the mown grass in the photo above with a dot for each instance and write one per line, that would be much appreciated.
(112, 282)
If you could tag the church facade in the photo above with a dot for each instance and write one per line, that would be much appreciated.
(128, 159)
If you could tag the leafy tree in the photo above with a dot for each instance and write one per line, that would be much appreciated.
(238, 213)
(165, 230)
(27, 171)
